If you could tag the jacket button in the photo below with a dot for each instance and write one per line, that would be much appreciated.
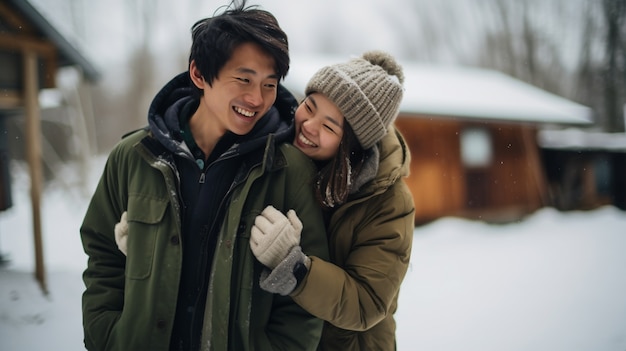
(174, 240)
(160, 324)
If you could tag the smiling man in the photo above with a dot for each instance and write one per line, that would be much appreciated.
(215, 152)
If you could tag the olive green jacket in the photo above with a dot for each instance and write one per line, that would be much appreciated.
(129, 302)
(370, 246)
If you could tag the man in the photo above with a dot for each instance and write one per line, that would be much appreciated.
(215, 153)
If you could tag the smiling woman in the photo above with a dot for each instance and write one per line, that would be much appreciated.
(345, 124)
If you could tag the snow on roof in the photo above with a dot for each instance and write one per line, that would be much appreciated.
(461, 92)
(576, 139)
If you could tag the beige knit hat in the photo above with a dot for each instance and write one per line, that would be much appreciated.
(367, 90)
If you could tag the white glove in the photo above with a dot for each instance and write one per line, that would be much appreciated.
(121, 233)
(273, 235)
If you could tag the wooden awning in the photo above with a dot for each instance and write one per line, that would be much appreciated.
(31, 52)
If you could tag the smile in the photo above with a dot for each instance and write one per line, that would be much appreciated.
(244, 112)
(306, 141)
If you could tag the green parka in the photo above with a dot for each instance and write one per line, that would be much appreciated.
(370, 246)
(130, 301)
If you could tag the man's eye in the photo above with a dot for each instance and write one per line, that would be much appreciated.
(243, 80)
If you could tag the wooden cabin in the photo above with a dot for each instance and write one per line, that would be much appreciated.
(483, 170)
(473, 138)
(585, 169)
(23, 32)
(31, 53)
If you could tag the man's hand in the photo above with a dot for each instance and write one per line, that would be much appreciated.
(121, 234)
(274, 235)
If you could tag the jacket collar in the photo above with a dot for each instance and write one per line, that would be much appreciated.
(386, 162)
(165, 109)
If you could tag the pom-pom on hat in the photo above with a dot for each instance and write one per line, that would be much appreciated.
(367, 90)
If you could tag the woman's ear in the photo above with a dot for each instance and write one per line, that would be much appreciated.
(195, 75)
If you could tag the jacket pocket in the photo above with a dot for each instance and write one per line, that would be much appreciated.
(145, 217)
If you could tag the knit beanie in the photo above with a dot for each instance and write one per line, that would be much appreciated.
(367, 90)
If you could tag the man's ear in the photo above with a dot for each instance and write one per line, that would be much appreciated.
(195, 75)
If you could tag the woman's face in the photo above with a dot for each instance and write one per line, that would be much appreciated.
(319, 127)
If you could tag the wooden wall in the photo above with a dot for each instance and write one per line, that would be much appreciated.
(436, 177)
(512, 186)
(18, 37)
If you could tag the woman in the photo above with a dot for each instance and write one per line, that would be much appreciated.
(345, 124)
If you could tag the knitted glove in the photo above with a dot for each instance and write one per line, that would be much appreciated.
(121, 233)
(281, 280)
(273, 235)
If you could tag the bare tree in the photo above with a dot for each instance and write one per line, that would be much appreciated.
(588, 86)
(141, 60)
(516, 46)
(615, 72)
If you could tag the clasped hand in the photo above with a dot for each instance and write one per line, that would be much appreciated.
(274, 235)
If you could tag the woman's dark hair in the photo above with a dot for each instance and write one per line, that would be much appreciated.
(215, 38)
(335, 178)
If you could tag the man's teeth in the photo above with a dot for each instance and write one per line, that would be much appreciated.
(245, 112)
(305, 141)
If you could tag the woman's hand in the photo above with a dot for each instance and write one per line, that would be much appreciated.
(274, 235)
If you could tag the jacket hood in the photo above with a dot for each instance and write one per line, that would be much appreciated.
(386, 162)
(165, 109)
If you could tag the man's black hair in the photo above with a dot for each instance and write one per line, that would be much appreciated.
(215, 38)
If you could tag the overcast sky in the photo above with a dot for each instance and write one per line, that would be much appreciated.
(426, 30)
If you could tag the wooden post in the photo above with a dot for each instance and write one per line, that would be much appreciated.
(33, 155)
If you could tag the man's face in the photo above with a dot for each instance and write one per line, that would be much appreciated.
(243, 91)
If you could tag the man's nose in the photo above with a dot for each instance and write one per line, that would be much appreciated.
(254, 96)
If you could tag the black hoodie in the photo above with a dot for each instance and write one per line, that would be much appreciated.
(205, 188)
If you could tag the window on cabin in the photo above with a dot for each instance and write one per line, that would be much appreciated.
(476, 156)
(603, 178)
(476, 147)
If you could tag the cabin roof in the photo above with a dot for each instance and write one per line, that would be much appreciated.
(453, 91)
(68, 54)
(576, 139)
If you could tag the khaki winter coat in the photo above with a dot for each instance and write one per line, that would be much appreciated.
(370, 246)
(130, 302)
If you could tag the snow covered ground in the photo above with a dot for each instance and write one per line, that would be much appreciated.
(553, 282)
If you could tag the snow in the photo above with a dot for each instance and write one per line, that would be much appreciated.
(457, 91)
(554, 281)
(576, 139)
